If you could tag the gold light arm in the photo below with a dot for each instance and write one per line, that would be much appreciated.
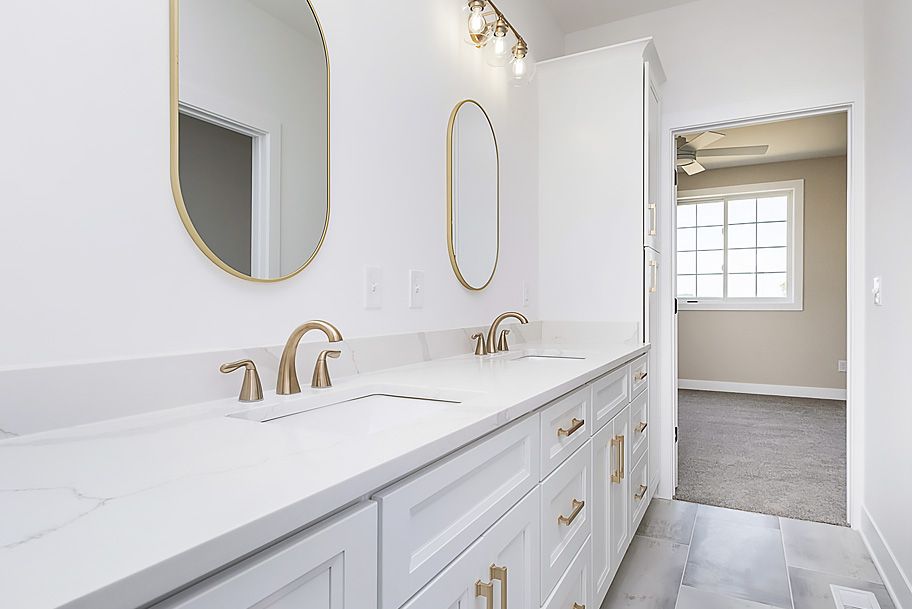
(506, 21)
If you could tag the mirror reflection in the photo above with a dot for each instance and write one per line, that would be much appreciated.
(252, 133)
(473, 195)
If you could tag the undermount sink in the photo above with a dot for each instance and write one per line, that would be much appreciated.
(357, 410)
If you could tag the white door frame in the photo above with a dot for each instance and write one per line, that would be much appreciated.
(856, 295)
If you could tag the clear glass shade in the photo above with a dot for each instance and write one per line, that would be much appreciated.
(477, 30)
(522, 69)
(499, 51)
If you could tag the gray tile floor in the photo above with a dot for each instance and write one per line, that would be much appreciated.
(689, 556)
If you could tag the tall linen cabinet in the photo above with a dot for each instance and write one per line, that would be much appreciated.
(599, 179)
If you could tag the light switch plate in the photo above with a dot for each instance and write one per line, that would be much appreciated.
(842, 365)
(373, 287)
(416, 289)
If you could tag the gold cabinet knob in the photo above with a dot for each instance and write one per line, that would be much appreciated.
(251, 389)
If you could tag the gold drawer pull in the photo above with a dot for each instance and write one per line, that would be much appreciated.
(485, 590)
(641, 375)
(642, 493)
(618, 474)
(575, 425)
(642, 426)
(578, 606)
(577, 508)
(500, 574)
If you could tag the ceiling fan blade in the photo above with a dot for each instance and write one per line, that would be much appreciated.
(735, 151)
(693, 168)
(707, 138)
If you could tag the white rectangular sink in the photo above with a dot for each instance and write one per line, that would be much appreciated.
(357, 410)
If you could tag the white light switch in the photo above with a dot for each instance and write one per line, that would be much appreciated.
(373, 287)
(416, 289)
(877, 292)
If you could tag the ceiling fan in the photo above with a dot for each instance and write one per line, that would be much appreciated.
(690, 151)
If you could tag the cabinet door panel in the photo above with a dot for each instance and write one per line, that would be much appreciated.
(639, 426)
(332, 566)
(565, 427)
(512, 543)
(618, 514)
(610, 393)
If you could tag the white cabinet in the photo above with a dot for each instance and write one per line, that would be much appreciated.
(429, 518)
(610, 393)
(652, 299)
(653, 153)
(332, 566)
(500, 568)
(564, 427)
(610, 502)
(574, 588)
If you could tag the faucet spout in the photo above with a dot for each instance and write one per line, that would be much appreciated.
(491, 343)
(287, 383)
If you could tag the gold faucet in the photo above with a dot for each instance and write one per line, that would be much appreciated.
(491, 345)
(287, 384)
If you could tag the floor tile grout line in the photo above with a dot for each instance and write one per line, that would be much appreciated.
(785, 561)
(693, 529)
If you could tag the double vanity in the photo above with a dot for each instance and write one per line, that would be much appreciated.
(513, 479)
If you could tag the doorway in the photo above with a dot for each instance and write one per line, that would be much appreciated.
(761, 333)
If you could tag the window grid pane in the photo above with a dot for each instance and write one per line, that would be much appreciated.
(759, 252)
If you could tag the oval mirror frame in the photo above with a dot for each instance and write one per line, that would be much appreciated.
(174, 48)
(451, 246)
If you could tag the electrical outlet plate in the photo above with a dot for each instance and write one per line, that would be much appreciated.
(373, 287)
(416, 289)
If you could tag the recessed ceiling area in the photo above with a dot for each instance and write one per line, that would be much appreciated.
(813, 137)
(575, 15)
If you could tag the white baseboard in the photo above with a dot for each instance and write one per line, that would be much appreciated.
(896, 581)
(791, 391)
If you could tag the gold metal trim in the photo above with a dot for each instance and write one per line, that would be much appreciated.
(174, 50)
(578, 606)
(577, 508)
(500, 574)
(449, 194)
(485, 590)
(575, 425)
(618, 475)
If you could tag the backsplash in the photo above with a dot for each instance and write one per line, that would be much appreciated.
(40, 399)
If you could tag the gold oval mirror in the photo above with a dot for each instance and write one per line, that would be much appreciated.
(250, 132)
(473, 195)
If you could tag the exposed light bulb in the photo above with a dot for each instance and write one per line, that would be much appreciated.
(499, 51)
(477, 22)
(522, 68)
(478, 28)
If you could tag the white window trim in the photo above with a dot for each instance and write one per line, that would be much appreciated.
(795, 301)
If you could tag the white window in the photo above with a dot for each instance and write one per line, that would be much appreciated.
(740, 247)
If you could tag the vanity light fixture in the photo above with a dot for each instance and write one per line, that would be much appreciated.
(490, 30)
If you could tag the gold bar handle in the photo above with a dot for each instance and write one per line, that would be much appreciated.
(485, 590)
(653, 223)
(642, 426)
(577, 508)
(616, 476)
(623, 459)
(578, 606)
(641, 375)
(655, 277)
(575, 425)
(642, 493)
(500, 574)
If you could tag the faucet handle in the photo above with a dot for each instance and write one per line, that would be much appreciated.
(321, 378)
(251, 389)
(502, 344)
(480, 348)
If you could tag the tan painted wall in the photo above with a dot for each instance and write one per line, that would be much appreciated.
(796, 348)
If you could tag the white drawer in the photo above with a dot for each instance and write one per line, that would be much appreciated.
(428, 519)
(573, 589)
(566, 521)
(610, 394)
(639, 492)
(564, 428)
(639, 375)
(639, 426)
(333, 564)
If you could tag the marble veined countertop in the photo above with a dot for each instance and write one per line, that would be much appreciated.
(115, 514)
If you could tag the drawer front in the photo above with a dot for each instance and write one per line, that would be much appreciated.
(428, 519)
(564, 428)
(573, 589)
(610, 394)
(331, 566)
(504, 560)
(639, 375)
(639, 426)
(639, 492)
(566, 521)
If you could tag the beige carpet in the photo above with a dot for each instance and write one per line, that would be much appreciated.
(767, 454)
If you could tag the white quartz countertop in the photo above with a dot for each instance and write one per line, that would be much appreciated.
(115, 514)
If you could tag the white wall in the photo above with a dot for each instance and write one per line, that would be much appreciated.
(95, 261)
(888, 416)
(729, 60)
